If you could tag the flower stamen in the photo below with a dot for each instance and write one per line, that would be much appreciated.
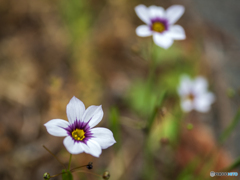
(78, 134)
(158, 27)
(191, 96)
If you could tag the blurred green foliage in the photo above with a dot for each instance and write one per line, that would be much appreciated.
(115, 126)
(142, 99)
(77, 16)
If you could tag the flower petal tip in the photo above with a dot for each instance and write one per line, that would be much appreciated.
(139, 7)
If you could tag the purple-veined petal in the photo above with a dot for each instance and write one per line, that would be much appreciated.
(71, 146)
(92, 147)
(176, 32)
(75, 110)
(203, 102)
(143, 31)
(162, 40)
(185, 86)
(56, 127)
(186, 105)
(155, 11)
(142, 12)
(174, 12)
(200, 85)
(94, 114)
(103, 136)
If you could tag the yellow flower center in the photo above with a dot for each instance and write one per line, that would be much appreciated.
(78, 134)
(158, 27)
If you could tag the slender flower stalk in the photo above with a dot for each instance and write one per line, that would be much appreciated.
(77, 169)
(87, 172)
(54, 157)
(69, 164)
(160, 24)
(80, 134)
(81, 167)
(48, 176)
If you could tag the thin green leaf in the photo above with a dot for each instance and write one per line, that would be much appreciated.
(232, 166)
(230, 128)
(156, 109)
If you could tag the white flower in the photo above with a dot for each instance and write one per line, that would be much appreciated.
(194, 94)
(79, 131)
(160, 24)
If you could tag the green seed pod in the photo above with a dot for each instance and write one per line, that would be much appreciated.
(46, 175)
(106, 175)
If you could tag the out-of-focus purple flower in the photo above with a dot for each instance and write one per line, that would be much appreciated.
(160, 24)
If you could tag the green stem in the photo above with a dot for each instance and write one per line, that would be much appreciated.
(151, 77)
(70, 159)
(152, 71)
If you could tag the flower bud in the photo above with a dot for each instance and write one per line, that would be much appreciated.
(46, 175)
(106, 175)
(90, 166)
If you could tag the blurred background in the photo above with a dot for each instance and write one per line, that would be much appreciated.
(53, 50)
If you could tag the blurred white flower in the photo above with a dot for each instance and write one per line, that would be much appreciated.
(160, 24)
(81, 136)
(194, 94)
